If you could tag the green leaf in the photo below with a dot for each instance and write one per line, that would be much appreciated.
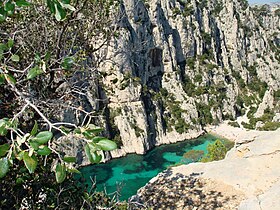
(34, 72)
(73, 170)
(96, 157)
(69, 159)
(51, 6)
(9, 7)
(20, 140)
(2, 79)
(93, 129)
(98, 138)
(77, 131)
(93, 147)
(10, 78)
(30, 162)
(10, 43)
(43, 137)
(88, 135)
(44, 151)
(15, 58)
(57, 14)
(1, 51)
(4, 167)
(65, 1)
(88, 153)
(4, 121)
(4, 148)
(48, 56)
(37, 58)
(3, 47)
(60, 13)
(34, 129)
(67, 63)
(20, 155)
(107, 145)
(12, 123)
(66, 130)
(60, 173)
(35, 145)
(22, 3)
(19, 181)
(92, 155)
(3, 130)
(3, 14)
(68, 6)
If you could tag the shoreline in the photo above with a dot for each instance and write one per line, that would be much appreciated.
(235, 134)
(249, 176)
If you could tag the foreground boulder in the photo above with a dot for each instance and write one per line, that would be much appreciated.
(248, 178)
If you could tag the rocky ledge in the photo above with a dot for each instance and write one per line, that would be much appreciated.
(248, 178)
(169, 191)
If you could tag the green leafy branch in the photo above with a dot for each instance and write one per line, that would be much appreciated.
(59, 9)
(28, 147)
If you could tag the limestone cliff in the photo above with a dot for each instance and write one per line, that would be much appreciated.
(178, 65)
(175, 66)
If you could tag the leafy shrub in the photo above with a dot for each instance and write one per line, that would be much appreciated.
(40, 191)
(198, 78)
(228, 117)
(204, 114)
(216, 151)
(206, 38)
(218, 8)
(277, 95)
(189, 87)
(270, 126)
(191, 63)
(247, 125)
(200, 90)
(251, 112)
(234, 124)
(188, 10)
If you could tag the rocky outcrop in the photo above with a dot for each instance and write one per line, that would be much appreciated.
(250, 172)
(267, 103)
(175, 66)
(178, 65)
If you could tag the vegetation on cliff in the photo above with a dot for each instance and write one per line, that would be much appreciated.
(215, 151)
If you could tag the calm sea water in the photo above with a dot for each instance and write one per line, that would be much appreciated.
(127, 174)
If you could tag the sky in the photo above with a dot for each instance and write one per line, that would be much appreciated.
(262, 1)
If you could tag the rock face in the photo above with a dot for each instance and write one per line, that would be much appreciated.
(175, 66)
(250, 172)
(179, 65)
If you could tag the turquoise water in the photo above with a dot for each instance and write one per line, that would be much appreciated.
(129, 173)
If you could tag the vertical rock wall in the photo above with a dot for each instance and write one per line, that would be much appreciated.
(175, 66)
(178, 65)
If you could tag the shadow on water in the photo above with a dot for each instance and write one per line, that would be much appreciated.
(129, 173)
